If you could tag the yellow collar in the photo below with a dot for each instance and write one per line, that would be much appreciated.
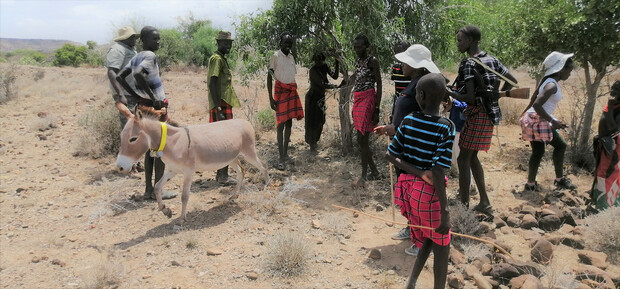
(162, 144)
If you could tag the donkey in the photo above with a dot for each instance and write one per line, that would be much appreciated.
(187, 150)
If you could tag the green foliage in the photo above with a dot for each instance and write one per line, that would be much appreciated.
(173, 48)
(70, 55)
(27, 57)
(266, 119)
(91, 44)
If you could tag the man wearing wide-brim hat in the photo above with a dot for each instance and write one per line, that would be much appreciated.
(119, 54)
(222, 96)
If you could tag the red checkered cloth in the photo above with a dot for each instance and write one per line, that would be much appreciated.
(288, 105)
(420, 205)
(226, 110)
(363, 108)
(533, 128)
(477, 131)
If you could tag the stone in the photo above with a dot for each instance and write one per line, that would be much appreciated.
(470, 271)
(482, 282)
(596, 259)
(542, 252)
(485, 228)
(528, 222)
(526, 282)
(486, 269)
(576, 242)
(35, 259)
(59, 263)
(597, 285)
(455, 280)
(549, 223)
(529, 235)
(506, 230)
(375, 254)
(527, 210)
(590, 272)
(527, 268)
(175, 263)
(252, 275)
(499, 223)
(513, 221)
(214, 252)
(504, 271)
(316, 224)
(547, 212)
(566, 229)
(457, 257)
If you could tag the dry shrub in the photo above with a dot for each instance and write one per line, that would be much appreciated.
(46, 122)
(288, 254)
(336, 223)
(100, 134)
(556, 277)
(8, 89)
(463, 221)
(40, 74)
(511, 110)
(603, 230)
(106, 273)
(476, 250)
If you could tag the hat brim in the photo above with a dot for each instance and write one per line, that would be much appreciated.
(125, 37)
(559, 65)
(416, 63)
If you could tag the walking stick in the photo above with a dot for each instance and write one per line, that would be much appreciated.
(429, 228)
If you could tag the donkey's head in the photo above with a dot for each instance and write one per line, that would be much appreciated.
(135, 141)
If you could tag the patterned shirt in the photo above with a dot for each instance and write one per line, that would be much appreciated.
(423, 141)
(218, 67)
(490, 80)
(118, 57)
(364, 77)
(147, 60)
(400, 80)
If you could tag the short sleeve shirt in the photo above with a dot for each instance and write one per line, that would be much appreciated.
(424, 141)
(118, 57)
(218, 67)
(283, 67)
(405, 103)
(147, 60)
(467, 67)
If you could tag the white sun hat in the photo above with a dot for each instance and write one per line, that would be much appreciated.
(125, 33)
(418, 56)
(555, 61)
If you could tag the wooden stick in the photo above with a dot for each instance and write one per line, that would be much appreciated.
(391, 168)
(429, 228)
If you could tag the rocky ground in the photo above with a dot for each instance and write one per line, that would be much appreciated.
(68, 220)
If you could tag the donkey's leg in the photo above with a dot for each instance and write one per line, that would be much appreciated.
(249, 154)
(187, 183)
(236, 164)
(158, 192)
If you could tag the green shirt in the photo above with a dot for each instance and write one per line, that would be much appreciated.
(218, 66)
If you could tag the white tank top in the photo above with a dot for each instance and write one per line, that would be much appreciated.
(552, 103)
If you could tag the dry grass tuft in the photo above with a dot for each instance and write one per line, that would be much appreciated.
(106, 273)
(511, 110)
(603, 230)
(100, 134)
(265, 119)
(463, 221)
(555, 277)
(476, 250)
(8, 89)
(288, 255)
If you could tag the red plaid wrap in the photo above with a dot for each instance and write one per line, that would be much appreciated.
(288, 105)
(477, 132)
(363, 108)
(226, 110)
(420, 205)
(533, 128)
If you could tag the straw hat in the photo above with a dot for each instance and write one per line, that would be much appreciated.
(125, 33)
(224, 35)
(418, 56)
(555, 62)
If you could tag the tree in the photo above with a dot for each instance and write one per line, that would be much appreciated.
(588, 28)
(70, 54)
(328, 25)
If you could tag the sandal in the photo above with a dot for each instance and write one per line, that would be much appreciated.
(485, 209)
(280, 166)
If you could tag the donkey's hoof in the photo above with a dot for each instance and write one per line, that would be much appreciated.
(167, 212)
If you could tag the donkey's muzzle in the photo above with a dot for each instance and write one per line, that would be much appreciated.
(124, 163)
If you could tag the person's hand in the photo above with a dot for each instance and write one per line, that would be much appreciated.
(380, 130)
(444, 226)
(123, 99)
(556, 124)
(447, 105)
(427, 176)
(272, 103)
(219, 115)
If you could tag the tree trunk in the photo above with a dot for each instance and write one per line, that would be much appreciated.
(585, 131)
(346, 127)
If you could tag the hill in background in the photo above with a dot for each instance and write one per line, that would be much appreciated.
(42, 45)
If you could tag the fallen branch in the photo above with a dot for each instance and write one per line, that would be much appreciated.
(428, 228)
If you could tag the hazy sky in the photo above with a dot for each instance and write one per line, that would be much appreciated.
(82, 20)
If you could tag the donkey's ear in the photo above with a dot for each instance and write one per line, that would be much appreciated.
(138, 115)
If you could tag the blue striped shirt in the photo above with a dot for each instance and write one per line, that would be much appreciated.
(424, 140)
(147, 60)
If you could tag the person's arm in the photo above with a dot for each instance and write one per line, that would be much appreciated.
(548, 90)
(469, 96)
(120, 99)
(425, 175)
(272, 101)
(508, 86)
(374, 65)
(439, 182)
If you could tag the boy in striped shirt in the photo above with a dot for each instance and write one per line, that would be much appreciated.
(422, 147)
